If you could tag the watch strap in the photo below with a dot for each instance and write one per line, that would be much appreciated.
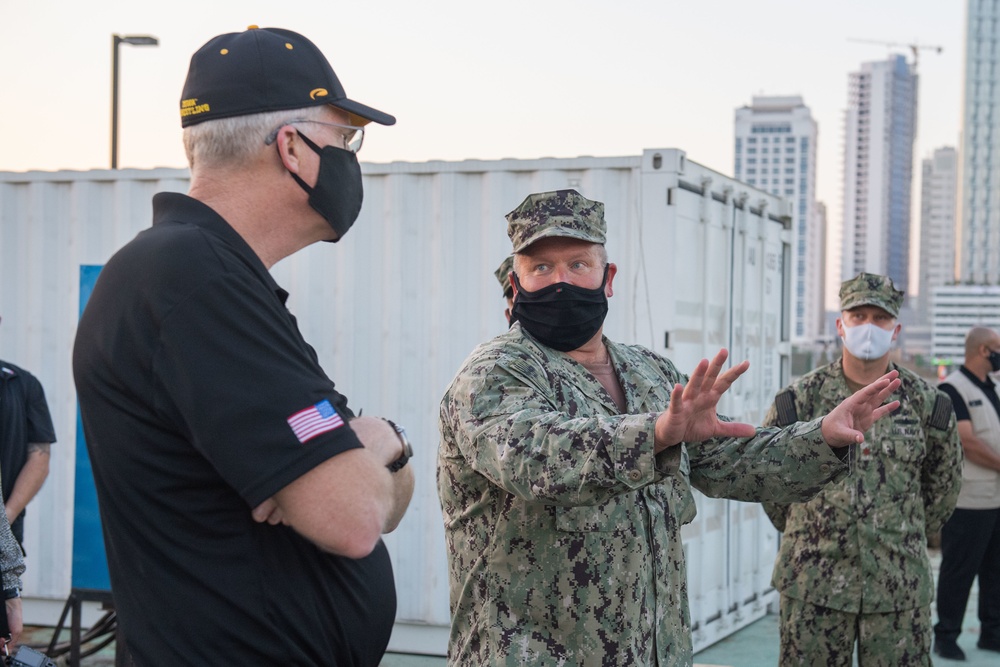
(407, 452)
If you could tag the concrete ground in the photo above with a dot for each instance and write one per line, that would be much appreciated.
(754, 646)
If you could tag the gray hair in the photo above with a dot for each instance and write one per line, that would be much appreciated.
(230, 140)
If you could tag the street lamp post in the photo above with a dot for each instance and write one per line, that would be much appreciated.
(134, 40)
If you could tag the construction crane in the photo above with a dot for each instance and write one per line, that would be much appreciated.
(913, 47)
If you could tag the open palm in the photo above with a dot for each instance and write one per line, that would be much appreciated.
(692, 414)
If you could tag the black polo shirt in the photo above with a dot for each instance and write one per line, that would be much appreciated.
(200, 399)
(24, 419)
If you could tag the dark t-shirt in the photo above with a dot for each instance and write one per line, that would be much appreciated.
(24, 419)
(200, 399)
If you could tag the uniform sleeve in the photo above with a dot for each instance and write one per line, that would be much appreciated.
(776, 512)
(11, 556)
(238, 380)
(40, 427)
(941, 473)
(505, 421)
(788, 465)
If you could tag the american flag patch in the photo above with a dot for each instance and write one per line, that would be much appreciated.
(316, 419)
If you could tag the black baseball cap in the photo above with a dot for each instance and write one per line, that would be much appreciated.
(263, 69)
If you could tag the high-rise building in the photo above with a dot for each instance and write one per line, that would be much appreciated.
(979, 247)
(776, 152)
(817, 259)
(879, 131)
(958, 308)
(938, 193)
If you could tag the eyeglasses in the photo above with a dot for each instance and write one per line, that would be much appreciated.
(352, 136)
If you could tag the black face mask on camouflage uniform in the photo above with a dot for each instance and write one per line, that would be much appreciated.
(561, 316)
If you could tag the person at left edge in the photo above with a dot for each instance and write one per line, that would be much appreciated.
(11, 569)
(26, 436)
(241, 500)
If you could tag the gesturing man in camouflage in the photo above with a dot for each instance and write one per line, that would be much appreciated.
(853, 562)
(567, 460)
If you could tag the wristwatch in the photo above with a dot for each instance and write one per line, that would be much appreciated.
(398, 464)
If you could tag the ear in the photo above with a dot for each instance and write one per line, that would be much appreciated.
(840, 327)
(895, 332)
(290, 148)
(513, 286)
(612, 271)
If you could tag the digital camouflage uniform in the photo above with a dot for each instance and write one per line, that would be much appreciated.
(562, 527)
(503, 275)
(11, 556)
(860, 546)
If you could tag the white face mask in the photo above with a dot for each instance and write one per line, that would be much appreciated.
(867, 341)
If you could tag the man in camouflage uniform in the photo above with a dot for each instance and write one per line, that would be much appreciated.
(503, 277)
(566, 465)
(853, 565)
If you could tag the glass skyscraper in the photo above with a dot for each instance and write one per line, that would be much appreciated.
(775, 151)
(979, 248)
(879, 131)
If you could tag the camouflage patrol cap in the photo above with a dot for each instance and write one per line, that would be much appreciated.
(870, 289)
(564, 213)
(503, 275)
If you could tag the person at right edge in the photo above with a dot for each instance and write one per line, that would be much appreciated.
(852, 566)
(970, 540)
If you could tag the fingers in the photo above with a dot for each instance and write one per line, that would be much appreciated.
(735, 430)
(718, 362)
(676, 398)
(883, 410)
(727, 379)
(883, 386)
(888, 391)
(266, 511)
(707, 373)
(697, 378)
(875, 393)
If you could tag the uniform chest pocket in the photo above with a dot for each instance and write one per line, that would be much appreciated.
(612, 516)
(906, 447)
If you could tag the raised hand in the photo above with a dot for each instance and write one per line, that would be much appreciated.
(846, 424)
(691, 415)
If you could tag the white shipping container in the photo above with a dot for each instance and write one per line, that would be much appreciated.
(395, 308)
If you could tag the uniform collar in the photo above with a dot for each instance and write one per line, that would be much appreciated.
(636, 388)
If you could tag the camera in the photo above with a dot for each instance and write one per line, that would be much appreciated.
(29, 657)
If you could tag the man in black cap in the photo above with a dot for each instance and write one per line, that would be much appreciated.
(241, 499)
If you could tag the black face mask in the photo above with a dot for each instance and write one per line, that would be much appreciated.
(339, 191)
(995, 361)
(561, 316)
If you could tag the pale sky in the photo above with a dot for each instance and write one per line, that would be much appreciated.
(478, 80)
